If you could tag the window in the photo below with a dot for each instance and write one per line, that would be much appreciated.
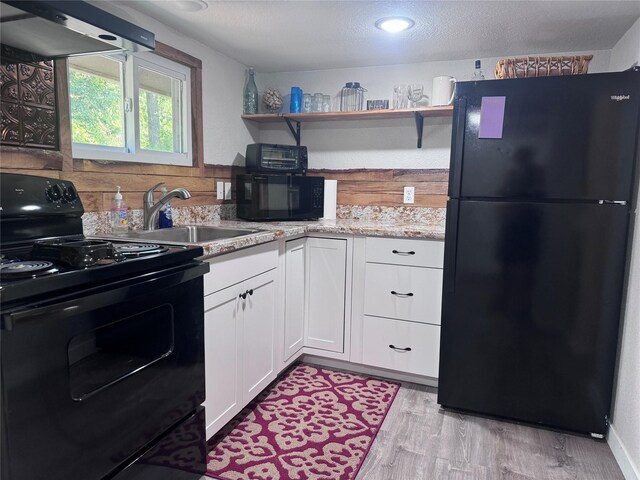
(130, 108)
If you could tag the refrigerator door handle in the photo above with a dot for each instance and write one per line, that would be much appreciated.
(455, 168)
(451, 246)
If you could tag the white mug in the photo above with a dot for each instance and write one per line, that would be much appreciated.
(443, 90)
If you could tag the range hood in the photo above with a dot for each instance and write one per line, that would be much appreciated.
(57, 29)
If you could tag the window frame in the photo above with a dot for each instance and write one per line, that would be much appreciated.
(132, 152)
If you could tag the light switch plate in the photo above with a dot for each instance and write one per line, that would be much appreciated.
(409, 194)
(220, 190)
(227, 190)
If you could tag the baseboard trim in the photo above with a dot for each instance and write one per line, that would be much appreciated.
(367, 370)
(629, 469)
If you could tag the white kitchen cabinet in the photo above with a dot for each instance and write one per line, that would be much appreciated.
(412, 252)
(397, 304)
(258, 323)
(223, 362)
(402, 292)
(326, 277)
(239, 331)
(407, 347)
(294, 301)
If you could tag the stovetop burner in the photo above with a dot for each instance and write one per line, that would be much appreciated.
(77, 253)
(139, 249)
(26, 269)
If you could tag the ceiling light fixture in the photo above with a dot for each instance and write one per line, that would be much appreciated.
(395, 24)
(189, 5)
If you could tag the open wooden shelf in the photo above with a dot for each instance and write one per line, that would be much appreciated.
(419, 114)
(360, 115)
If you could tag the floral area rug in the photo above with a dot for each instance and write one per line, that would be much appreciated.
(313, 424)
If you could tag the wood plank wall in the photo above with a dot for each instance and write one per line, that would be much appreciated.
(385, 187)
(96, 182)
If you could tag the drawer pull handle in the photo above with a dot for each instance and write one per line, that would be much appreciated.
(403, 253)
(393, 292)
(398, 349)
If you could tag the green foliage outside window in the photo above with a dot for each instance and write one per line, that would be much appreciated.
(97, 118)
(96, 109)
(156, 122)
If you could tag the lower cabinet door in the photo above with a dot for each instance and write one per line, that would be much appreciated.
(399, 345)
(294, 297)
(326, 281)
(223, 330)
(258, 333)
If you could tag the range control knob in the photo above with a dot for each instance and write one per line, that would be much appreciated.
(54, 193)
(69, 193)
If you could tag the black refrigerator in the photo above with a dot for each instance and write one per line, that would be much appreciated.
(541, 189)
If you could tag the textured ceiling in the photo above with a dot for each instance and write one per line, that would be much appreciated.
(278, 36)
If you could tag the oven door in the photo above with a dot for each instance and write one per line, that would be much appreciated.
(90, 380)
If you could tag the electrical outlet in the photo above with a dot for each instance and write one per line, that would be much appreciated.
(227, 190)
(409, 194)
(220, 190)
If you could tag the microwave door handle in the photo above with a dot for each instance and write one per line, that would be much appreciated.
(120, 291)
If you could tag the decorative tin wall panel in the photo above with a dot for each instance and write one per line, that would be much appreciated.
(27, 104)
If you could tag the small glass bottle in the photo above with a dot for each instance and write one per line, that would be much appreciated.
(477, 74)
(250, 105)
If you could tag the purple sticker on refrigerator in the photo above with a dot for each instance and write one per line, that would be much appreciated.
(491, 117)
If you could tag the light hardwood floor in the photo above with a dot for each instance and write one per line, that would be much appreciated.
(419, 440)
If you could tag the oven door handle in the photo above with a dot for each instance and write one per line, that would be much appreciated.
(104, 296)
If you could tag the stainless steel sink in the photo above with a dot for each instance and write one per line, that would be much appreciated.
(190, 234)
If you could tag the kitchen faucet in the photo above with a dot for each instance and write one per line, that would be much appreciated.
(151, 210)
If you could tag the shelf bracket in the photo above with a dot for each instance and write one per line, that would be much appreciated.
(419, 127)
(294, 131)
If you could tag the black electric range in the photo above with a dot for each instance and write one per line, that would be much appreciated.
(51, 266)
(102, 346)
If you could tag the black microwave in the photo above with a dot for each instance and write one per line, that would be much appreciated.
(270, 158)
(279, 197)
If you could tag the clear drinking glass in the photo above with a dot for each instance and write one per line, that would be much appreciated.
(400, 98)
(316, 103)
(415, 93)
(326, 103)
(306, 103)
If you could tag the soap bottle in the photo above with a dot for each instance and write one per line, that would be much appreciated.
(119, 214)
(165, 218)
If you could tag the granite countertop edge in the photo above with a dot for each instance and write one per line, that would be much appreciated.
(271, 231)
(276, 231)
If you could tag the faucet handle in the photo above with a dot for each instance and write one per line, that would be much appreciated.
(148, 196)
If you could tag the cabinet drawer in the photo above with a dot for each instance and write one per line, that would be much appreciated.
(408, 293)
(424, 341)
(235, 267)
(405, 251)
